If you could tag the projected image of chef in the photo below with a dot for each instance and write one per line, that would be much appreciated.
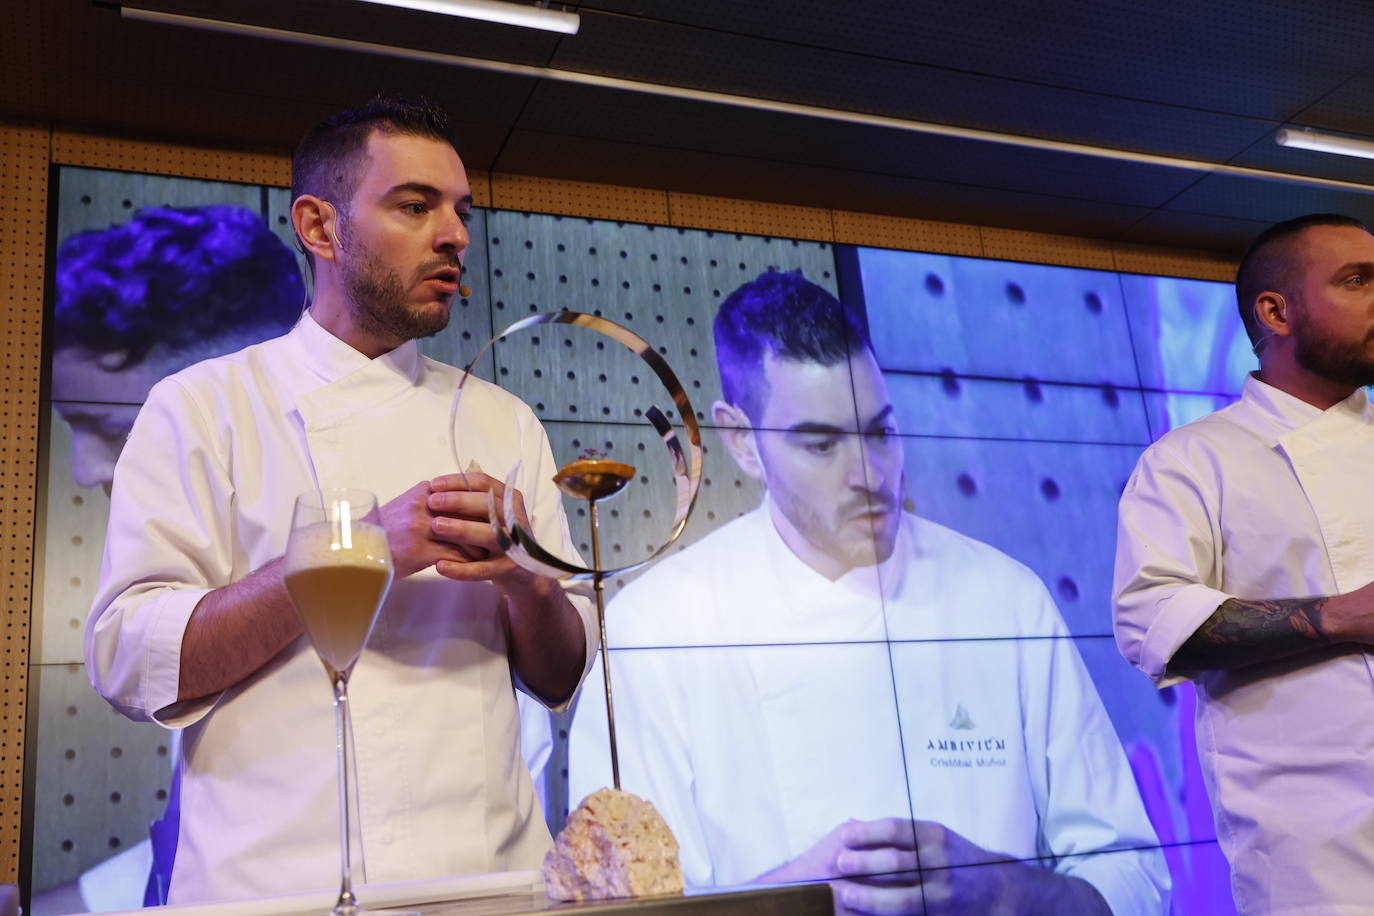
(833, 495)
(831, 687)
(138, 301)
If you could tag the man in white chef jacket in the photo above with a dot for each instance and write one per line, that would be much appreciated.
(833, 688)
(192, 627)
(1244, 558)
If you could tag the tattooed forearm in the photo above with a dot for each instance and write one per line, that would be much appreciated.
(1243, 633)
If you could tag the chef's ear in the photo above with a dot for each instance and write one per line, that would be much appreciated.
(1273, 312)
(314, 220)
(739, 437)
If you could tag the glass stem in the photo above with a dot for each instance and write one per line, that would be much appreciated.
(348, 904)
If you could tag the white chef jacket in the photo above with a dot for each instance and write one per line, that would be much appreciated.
(771, 719)
(1269, 497)
(203, 495)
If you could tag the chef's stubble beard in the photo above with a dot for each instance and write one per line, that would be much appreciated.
(1343, 362)
(818, 529)
(377, 300)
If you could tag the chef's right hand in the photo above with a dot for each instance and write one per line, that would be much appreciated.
(873, 870)
(409, 525)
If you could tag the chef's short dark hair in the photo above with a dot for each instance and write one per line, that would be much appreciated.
(1269, 265)
(788, 316)
(180, 277)
(328, 161)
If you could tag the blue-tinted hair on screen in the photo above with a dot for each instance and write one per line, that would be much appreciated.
(177, 277)
(786, 315)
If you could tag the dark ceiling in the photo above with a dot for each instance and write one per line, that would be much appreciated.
(1208, 81)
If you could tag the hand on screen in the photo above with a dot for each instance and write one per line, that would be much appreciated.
(878, 865)
(875, 864)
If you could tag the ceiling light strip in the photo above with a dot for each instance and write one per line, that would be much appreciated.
(1307, 138)
(522, 14)
(740, 101)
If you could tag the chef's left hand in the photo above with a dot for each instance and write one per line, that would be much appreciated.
(459, 505)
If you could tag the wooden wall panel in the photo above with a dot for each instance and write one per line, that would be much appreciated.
(724, 214)
(92, 151)
(1042, 248)
(872, 230)
(579, 198)
(1145, 259)
(70, 148)
(481, 188)
(23, 209)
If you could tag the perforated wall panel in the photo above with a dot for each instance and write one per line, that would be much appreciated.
(90, 200)
(102, 778)
(72, 531)
(927, 314)
(664, 284)
(23, 205)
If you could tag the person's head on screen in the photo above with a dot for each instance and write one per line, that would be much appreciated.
(380, 206)
(805, 411)
(143, 299)
(1305, 289)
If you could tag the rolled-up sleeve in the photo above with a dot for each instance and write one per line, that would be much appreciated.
(167, 546)
(1167, 561)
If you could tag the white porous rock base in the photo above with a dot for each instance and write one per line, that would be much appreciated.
(615, 844)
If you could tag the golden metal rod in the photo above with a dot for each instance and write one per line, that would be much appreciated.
(597, 580)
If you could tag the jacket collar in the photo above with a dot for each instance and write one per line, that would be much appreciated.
(345, 381)
(1277, 413)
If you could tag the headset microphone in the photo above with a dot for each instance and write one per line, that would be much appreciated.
(464, 290)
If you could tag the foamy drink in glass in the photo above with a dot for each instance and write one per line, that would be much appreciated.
(337, 570)
(337, 587)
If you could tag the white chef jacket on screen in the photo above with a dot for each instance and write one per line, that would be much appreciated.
(1269, 497)
(202, 496)
(773, 720)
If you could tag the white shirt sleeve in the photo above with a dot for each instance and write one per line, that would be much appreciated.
(544, 505)
(1167, 561)
(168, 544)
(1091, 816)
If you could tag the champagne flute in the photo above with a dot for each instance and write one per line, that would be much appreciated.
(337, 570)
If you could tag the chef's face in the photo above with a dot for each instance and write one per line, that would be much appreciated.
(99, 402)
(403, 237)
(832, 460)
(1333, 305)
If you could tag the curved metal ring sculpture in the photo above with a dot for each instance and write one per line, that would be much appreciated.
(518, 542)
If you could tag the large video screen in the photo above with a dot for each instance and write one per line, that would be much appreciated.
(890, 612)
